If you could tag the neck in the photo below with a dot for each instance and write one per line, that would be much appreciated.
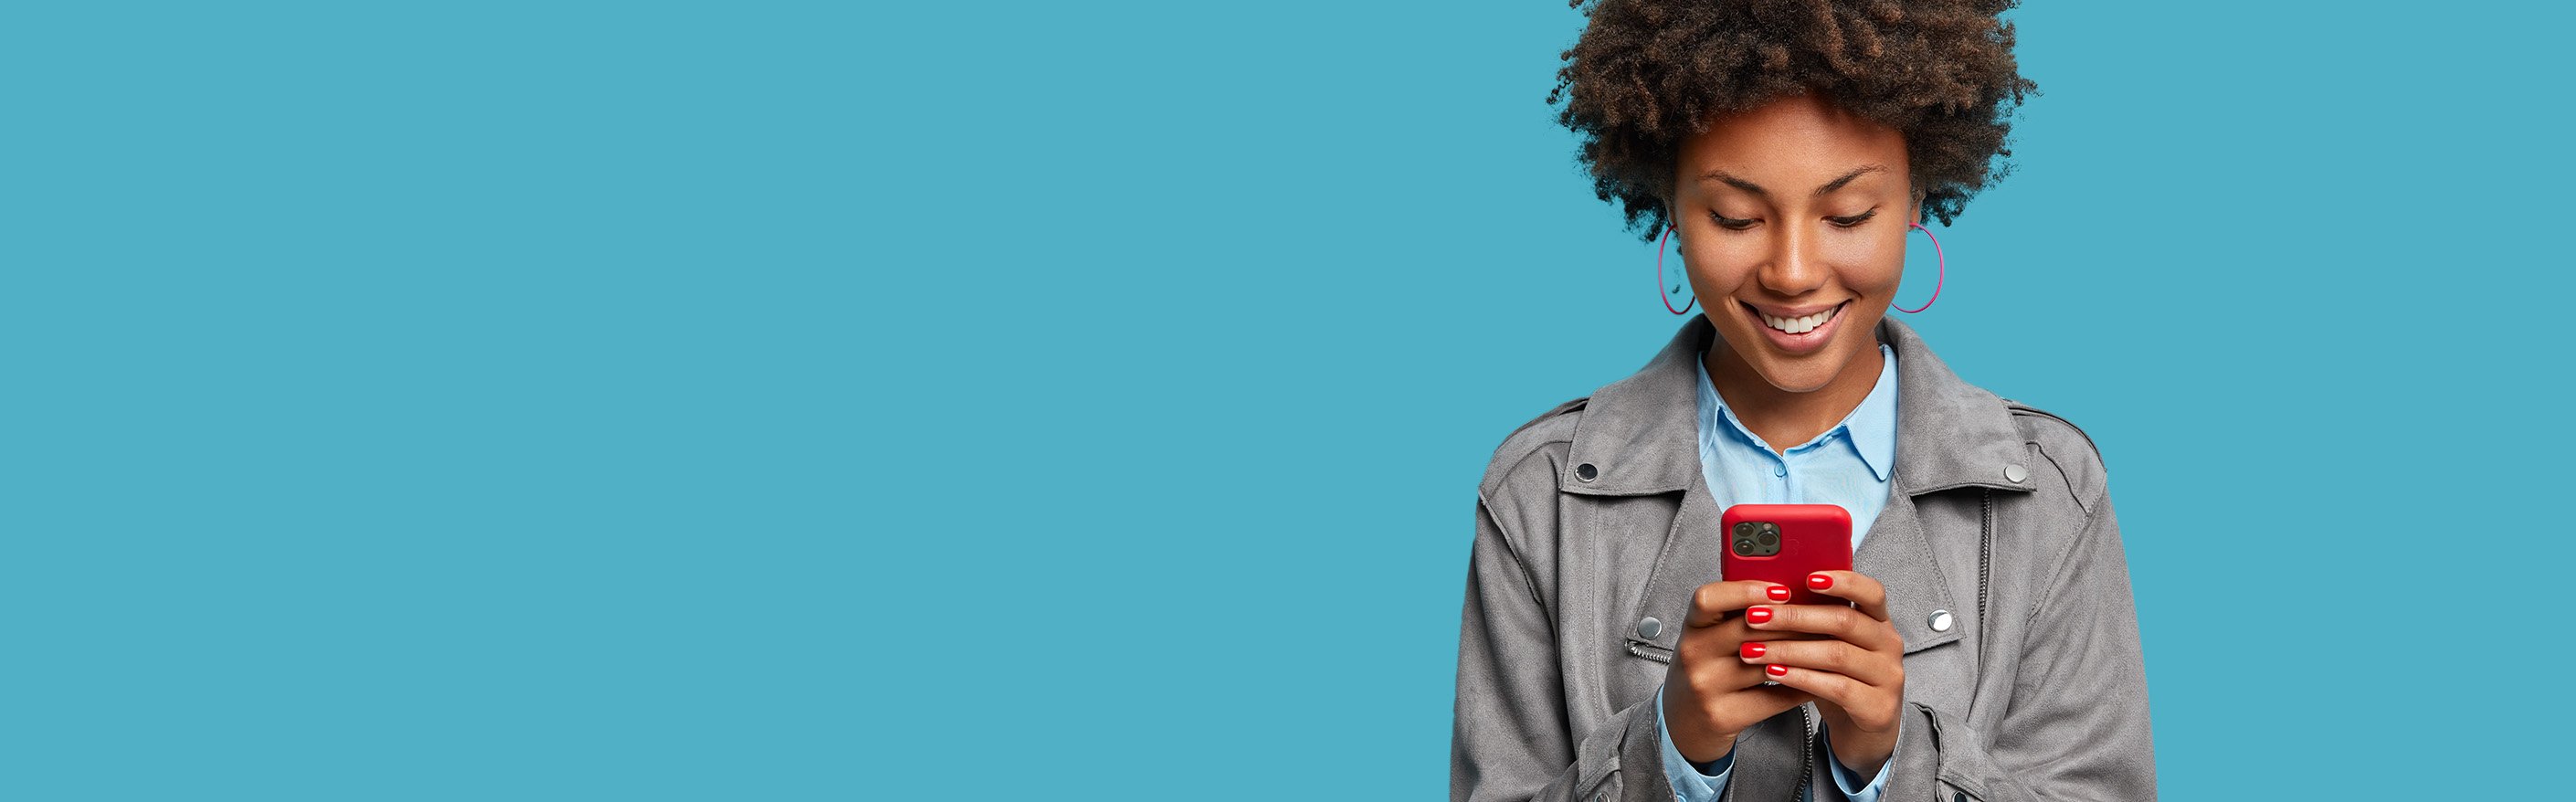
(1784, 418)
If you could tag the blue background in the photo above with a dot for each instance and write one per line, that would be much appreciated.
(826, 401)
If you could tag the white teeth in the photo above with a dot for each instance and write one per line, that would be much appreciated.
(1800, 325)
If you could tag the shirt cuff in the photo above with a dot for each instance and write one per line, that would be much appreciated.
(1693, 782)
(1845, 778)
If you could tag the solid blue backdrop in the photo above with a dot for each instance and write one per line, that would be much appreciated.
(810, 401)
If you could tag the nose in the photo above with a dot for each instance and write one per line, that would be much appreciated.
(1795, 268)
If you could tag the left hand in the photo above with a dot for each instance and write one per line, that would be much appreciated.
(1857, 673)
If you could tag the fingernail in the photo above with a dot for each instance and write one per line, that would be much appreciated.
(1820, 582)
(1779, 593)
(1758, 615)
(1776, 670)
(1753, 650)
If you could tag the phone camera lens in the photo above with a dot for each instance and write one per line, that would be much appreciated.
(1769, 539)
(1744, 547)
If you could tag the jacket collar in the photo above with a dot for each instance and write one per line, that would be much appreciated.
(1640, 434)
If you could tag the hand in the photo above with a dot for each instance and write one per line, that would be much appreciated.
(1710, 694)
(1856, 674)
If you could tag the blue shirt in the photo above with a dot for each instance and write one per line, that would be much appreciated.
(1847, 466)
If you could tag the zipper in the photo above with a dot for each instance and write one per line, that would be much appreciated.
(1806, 759)
(1985, 552)
(1806, 753)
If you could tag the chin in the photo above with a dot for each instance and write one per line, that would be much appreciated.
(1807, 377)
(1796, 373)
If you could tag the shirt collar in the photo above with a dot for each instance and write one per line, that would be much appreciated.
(1638, 434)
(1870, 428)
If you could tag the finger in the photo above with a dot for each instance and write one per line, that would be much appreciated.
(1772, 699)
(1827, 687)
(1717, 644)
(1712, 602)
(1830, 620)
(1874, 668)
(1737, 709)
(1852, 586)
(1718, 677)
(1709, 656)
(1714, 677)
(1715, 641)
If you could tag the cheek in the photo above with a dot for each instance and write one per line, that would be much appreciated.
(1723, 264)
(1870, 265)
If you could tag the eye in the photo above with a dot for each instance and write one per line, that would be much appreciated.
(1729, 223)
(1852, 221)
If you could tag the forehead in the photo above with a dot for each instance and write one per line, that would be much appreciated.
(1790, 137)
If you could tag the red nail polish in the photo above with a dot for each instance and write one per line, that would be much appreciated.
(1758, 615)
(1776, 670)
(1753, 650)
(1778, 593)
(1820, 582)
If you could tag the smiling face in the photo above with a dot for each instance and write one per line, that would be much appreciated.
(1792, 220)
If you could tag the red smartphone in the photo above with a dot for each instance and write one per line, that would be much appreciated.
(1783, 543)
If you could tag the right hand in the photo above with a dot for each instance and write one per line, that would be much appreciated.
(1710, 692)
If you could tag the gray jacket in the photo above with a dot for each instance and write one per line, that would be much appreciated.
(2000, 555)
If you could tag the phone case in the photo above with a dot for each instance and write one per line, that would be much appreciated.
(1812, 537)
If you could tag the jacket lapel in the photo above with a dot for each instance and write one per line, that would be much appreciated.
(1640, 437)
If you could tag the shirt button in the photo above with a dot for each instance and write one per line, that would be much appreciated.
(1940, 621)
(2016, 473)
(1780, 469)
(1650, 628)
(1586, 472)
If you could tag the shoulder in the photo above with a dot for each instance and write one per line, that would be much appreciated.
(1519, 494)
(2068, 452)
(1530, 456)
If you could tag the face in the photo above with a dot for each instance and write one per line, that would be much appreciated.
(1792, 220)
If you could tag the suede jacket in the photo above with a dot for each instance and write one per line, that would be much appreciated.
(1998, 549)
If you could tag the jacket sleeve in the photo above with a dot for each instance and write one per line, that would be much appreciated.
(2078, 727)
(1510, 739)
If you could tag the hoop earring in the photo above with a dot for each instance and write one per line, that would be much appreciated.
(1944, 275)
(1659, 279)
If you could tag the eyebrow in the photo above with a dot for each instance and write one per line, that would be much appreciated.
(1829, 186)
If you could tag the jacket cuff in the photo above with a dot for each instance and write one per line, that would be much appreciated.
(1641, 757)
(1853, 786)
(1621, 759)
(1939, 757)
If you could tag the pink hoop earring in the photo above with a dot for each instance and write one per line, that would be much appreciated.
(1659, 279)
(1944, 275)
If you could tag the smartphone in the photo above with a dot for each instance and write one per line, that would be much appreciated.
(1783, 543)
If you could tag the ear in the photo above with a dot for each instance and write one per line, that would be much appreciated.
(1914, 212)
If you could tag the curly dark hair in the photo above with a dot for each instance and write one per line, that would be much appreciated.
(1648, 74)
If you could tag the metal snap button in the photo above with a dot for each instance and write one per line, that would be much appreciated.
(1586, 472)
(2015, 472)
(1650, 628)
(1940, 621)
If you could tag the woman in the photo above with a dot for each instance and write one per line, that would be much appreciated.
(1988, 648)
